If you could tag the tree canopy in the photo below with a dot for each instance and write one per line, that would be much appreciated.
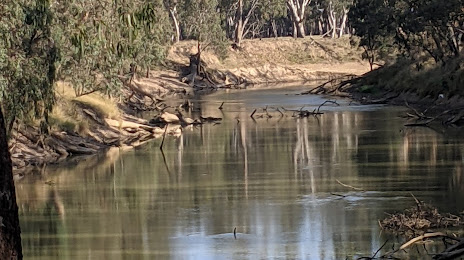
(92, 44)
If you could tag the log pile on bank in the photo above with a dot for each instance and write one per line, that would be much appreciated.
(419, 219)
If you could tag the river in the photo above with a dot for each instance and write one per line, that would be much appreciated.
(274, 180)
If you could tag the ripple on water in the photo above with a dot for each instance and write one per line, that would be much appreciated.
(353, 198)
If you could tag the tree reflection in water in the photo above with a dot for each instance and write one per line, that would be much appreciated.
(271, 179)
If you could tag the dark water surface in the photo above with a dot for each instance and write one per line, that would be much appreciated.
(273, 179)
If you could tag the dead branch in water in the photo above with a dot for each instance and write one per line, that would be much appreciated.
(451, 252)
(422, 237)
(220, 107)
(348, 186)
(334, 85)
(427, 122)
(164, 136)
(339, 195)
(253, 113)
(320, 88)
(325, 102)
(375, 254)
(416, 240)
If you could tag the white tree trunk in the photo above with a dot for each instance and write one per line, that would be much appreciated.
(332, 20)
(297, 10)
(173, 13)
(241, 23)
(343, 22)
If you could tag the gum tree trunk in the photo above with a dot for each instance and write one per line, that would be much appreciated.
(10, 232)
(297, 10)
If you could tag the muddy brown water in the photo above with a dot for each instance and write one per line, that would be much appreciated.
(273, 179)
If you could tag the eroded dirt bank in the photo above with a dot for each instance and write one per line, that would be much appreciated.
(88, 124)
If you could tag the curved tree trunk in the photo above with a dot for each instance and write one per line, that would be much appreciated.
(175, 21)
(10, 232)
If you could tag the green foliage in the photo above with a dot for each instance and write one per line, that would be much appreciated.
(100, 42)
(86, 42)
(373, 21)
(201, 20)
(412, 27)
(27, 60)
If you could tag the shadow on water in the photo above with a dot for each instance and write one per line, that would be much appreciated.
(273, 179)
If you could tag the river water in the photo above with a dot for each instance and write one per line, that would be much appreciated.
(273, 179)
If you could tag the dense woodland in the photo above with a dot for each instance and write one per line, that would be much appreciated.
(93, 43)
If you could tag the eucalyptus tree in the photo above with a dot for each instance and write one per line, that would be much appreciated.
(433, 26)
(274, 13)
(297, 9)
(27, 72)
(330, 17)
(28, 54)
(374, 22)
(241, 20)
(99, 39)
(251, 18)
(10, 231)
(201, 20)
(171, 5)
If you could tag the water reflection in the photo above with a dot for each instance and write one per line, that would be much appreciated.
(272, 179)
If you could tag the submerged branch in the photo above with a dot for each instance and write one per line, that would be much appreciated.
(348, 186)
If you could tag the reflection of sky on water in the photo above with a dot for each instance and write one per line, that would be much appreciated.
(274, 179)
(290, 99)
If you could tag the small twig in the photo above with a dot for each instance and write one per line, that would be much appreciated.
(378, 250)
(235, 232)
(220, 107)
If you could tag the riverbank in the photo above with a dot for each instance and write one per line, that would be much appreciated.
(91, 123)
(281, 60)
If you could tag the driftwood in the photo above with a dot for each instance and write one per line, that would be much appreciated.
(306, 113)
(418, 219)
(333, 85)
(265, 113)
(424, 120)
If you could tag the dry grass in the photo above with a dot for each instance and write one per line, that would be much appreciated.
(281, 51)
(281, 60)
(67, 113)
